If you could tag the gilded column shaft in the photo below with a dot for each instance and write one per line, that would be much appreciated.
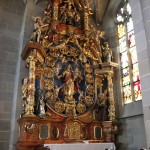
(86, 21)
(55, 12)
(29, 107)
(111, 98)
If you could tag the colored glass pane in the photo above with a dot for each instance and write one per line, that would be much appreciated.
(120, 18)
(137, 91)
(126, 80)
(128, 55)
(123, 44)
(136, 76)
(127, 94)
(128, 9)
(131, 39)
(130, 25)
(133, 55)
(125, 72)
(124, 59)
(121, 30)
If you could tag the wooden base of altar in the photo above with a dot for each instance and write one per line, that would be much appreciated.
(35, 132)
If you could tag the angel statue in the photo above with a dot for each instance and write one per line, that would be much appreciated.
(39, 28)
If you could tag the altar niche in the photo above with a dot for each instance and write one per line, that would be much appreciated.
(68, 94)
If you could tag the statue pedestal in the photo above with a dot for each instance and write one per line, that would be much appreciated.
(109, 131)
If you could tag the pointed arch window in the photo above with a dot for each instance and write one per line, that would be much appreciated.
(131, 87)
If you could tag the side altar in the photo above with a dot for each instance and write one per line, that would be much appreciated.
(68, 94)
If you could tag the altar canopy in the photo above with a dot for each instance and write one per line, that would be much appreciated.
(68, 94)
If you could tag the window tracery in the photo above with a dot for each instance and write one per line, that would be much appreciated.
(131, 86)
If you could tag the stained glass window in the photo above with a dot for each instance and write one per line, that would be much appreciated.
(131, 87)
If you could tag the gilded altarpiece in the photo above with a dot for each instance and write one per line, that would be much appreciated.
(68, 95)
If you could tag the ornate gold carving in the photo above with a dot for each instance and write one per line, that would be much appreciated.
(89, 78)
(64, 50)
(31, 128)
(90, 89)
(83, 58)
(81, 108)
(48, 84)
(73, 131)
(25, 88)
(89, 101)
(54, 53)
(50, 62)
(29, 103)
(73, 52)
(70, 109)
(111, 109)
(88, 68)
(48, 72)
(48, 94)
(52, 98)
(59, 106)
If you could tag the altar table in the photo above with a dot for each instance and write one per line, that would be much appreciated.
(81, 146)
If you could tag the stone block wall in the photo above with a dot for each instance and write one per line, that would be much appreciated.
(16, 27)
(141, 19)
(11, 12)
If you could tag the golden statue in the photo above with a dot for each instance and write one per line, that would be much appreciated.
(68, 86)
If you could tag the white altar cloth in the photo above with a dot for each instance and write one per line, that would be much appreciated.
(81, 146)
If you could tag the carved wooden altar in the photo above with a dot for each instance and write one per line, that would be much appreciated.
(68, 95)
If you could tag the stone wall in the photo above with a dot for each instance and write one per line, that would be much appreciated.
(31, 9)
(16, 27)
(11, 12)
